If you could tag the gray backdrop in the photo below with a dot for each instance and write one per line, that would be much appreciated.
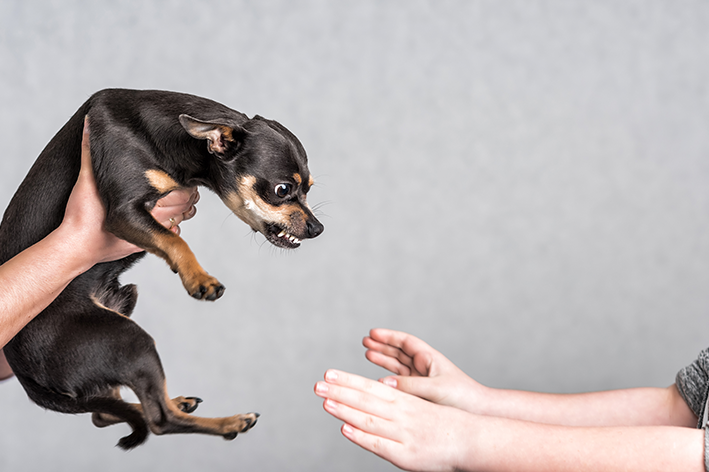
(523, 184)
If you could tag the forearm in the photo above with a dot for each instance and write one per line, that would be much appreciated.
(34, 278)
(509, 445)
(629, 407)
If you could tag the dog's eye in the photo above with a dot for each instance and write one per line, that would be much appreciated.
(282, 190)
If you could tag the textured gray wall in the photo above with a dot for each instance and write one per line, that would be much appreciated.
(524, 184)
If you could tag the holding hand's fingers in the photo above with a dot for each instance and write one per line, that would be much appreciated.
(176, 207)
(84, 216)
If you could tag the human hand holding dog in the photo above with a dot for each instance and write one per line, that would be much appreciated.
(85, 215)
(35, 277)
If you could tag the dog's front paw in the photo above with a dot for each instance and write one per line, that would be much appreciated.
(204, 287)
(239, 424)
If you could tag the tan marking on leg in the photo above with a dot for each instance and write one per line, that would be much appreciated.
(182, 260)
(98, 303)
(101, 420)
(160, 181)
(174, 420)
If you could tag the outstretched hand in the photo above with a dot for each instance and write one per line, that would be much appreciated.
(421, 370)
(409, 432)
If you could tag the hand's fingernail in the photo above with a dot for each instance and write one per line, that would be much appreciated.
(390, 381)
(347, 429)
(321, 387)
(330, 375)
(330, 404)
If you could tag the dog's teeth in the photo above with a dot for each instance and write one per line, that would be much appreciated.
(282, 233)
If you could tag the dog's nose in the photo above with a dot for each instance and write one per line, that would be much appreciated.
(315, 228)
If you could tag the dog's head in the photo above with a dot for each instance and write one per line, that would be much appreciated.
(263, 176)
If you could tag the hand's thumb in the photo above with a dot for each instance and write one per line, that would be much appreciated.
(419, 386)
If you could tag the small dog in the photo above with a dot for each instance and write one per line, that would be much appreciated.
(75, 355)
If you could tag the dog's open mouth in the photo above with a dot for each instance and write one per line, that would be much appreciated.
(279, 237)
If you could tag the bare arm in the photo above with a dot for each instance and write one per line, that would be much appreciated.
(34, 278)
(415, 434)
(425, 372)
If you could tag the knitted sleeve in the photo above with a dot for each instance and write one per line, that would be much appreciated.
(693, 385)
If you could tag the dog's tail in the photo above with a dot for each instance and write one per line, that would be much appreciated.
(122, 412)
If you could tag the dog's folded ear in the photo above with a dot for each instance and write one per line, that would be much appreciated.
(223, 136)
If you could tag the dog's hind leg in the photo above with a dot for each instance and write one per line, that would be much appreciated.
(95, 350)
(164, 416)
(135, 364)
(101, 420)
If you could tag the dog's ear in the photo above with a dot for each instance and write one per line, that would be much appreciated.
(221, 135)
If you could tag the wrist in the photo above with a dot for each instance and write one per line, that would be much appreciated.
(473, 443)
(477, 399)
(74, 256)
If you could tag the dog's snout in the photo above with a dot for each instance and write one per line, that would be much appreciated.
(315, 228)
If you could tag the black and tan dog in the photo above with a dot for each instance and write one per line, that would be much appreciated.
(76, 354)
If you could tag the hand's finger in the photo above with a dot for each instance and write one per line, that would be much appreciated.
(387, 362)
(85, 144)
(189, 213)
(418, 351)
(383, 447)
(421, 387)
(364, 402)
(180, 199)
(362, 384)
(357, 392)
(86, 171)
(195, 195)
(192, 209)
(362, 420)
(390, 351)
(406, 342)
(175, 207)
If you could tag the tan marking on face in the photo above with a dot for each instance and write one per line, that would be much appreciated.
(160, 181)
(311, 181)
(298, 178)
(252, 210)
